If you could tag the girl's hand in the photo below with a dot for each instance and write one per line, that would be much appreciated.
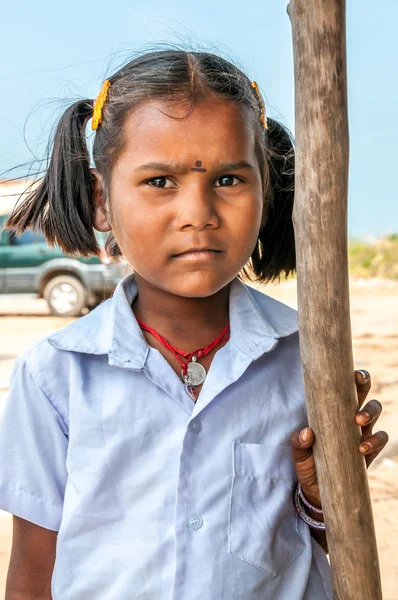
(371, 444)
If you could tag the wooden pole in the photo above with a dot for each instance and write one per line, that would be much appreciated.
(320, 224)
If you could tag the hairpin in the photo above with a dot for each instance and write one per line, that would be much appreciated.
(99, 104)
(263, 118)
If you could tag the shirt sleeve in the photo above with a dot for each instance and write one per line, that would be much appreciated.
(33, 447)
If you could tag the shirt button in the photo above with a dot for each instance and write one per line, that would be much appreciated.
(195, 426)
(195, 522)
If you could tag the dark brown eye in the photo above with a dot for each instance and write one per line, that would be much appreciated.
(158, 182)
(226, 181)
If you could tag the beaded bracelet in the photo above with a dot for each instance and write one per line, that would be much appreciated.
(303, 515)
(304, 499)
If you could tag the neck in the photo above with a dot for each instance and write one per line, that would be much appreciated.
(186, 321)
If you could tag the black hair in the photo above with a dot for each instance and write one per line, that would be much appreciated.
(62, 204)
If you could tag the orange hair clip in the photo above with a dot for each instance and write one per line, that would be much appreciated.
(99, 104)
(263, 118)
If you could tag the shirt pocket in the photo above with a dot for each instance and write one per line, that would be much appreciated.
(263, 523)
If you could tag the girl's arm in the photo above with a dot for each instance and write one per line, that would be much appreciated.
(371, 445)
(317, 534)
(32, 562)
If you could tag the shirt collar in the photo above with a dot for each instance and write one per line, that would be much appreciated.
(257, 322)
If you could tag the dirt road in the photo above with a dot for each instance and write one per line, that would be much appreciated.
(374, 309)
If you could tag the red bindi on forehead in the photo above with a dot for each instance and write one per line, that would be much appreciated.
(198, 167)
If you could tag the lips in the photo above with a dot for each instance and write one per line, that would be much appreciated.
(193, 250)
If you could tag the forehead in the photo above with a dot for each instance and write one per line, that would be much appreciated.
(213, 131)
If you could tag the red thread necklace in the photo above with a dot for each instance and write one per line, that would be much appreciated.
(192, 372)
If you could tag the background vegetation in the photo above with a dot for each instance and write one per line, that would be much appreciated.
(376, 259)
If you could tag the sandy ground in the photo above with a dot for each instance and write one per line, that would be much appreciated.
(374, 309)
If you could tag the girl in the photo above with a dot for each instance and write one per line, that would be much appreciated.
(147, 449)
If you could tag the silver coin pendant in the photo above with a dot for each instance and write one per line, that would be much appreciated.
(196, 373)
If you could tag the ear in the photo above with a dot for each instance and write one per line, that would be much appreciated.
(101, 212)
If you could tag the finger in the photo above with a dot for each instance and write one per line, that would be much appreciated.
(367, 417)
(301, 444)
(373, 445)
(301, 449)
(363, 384)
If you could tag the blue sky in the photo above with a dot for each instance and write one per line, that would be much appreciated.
(53, 53)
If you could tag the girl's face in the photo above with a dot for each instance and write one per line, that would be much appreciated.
(185, 196)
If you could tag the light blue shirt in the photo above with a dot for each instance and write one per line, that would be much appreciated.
(155, 497)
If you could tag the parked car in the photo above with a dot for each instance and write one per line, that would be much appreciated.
(29, 265)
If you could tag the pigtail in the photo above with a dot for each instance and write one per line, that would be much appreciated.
(61, 206)
(275, 251)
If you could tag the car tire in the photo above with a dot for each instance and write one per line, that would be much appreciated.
(66, 296)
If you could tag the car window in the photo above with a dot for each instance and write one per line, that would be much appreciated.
(28, 237)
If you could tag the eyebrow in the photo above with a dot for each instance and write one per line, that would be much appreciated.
(180, 168)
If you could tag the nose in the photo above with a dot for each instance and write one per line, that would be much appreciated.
(198, 209)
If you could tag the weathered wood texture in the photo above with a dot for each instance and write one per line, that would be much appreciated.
(320, 223)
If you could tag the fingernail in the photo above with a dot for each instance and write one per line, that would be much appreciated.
(303, 435)
(364, 416)
(365, 447)
(365, 375)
